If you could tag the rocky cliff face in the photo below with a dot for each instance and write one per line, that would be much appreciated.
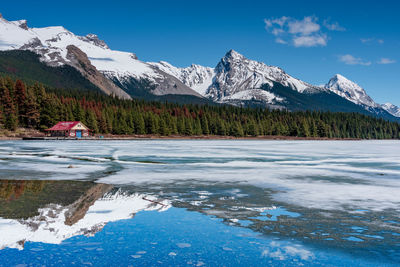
(80, 61)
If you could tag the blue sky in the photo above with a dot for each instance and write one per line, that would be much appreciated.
(311, 40)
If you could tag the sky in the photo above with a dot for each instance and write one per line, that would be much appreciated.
(310, 40)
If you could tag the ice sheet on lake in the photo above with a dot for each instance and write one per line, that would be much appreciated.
(316, 174)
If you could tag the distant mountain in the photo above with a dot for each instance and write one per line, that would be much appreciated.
(197, 77)
(392, 109)
(350, 90)
(240, 81)
(91, 56)
(234, 80)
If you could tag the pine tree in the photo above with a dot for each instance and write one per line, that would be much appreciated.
(181, 125)
(32, 110)
(91, 121)
(139, 124)
(20, 99)
(252, 128)
(164, 130)
(197, 127)
(188, 127)
(78, 112)
(10, 115)
(204, 125)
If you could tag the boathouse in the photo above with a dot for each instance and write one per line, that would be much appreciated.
(75, 129)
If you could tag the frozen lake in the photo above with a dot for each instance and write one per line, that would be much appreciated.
(200, 202)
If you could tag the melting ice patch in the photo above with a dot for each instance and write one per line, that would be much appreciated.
(282, 252)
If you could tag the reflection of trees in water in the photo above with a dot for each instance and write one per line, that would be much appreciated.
(21, 199)
(13, 189)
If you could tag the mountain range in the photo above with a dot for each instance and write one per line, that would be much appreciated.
(60, 58)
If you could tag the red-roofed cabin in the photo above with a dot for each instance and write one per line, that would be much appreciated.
(69, 129)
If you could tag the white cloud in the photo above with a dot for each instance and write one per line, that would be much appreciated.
(280, 41)
(309, 41)
(306, 26)
(371, 40)
(279, 21)
(300, 33)
(351, 60)
(333, 26)
(385, 60)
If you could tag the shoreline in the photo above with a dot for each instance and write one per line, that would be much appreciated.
(178, 137)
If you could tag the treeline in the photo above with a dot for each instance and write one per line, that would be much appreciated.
(39, 107)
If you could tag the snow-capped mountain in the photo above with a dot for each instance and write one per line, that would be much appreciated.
(392, 109)
(52, 43)
(236, 74)
(235, 78)
(350, 90)
(197, 77)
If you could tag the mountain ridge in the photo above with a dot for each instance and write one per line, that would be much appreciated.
(234, 80)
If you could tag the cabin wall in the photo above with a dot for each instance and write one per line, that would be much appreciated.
(59, 133)
(72, 133)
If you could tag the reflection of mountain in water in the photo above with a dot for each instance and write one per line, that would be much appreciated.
(53, 211)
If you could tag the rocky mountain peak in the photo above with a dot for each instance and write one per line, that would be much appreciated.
(234, 55)
(94, 39)
(349, 90)
(339, 81)
(392, 109)
(23, 24)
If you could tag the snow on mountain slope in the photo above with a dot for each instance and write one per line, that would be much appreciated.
(12, 35)
(235, 73)
(350, 90)
(235, 77)
(52, 42)
(51, 225)
(392, 109)
(197, 77)
(254, 94)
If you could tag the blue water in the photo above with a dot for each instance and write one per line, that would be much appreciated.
(175, 238)
(272, 215)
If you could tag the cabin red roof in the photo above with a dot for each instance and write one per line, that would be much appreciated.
(63, 126)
